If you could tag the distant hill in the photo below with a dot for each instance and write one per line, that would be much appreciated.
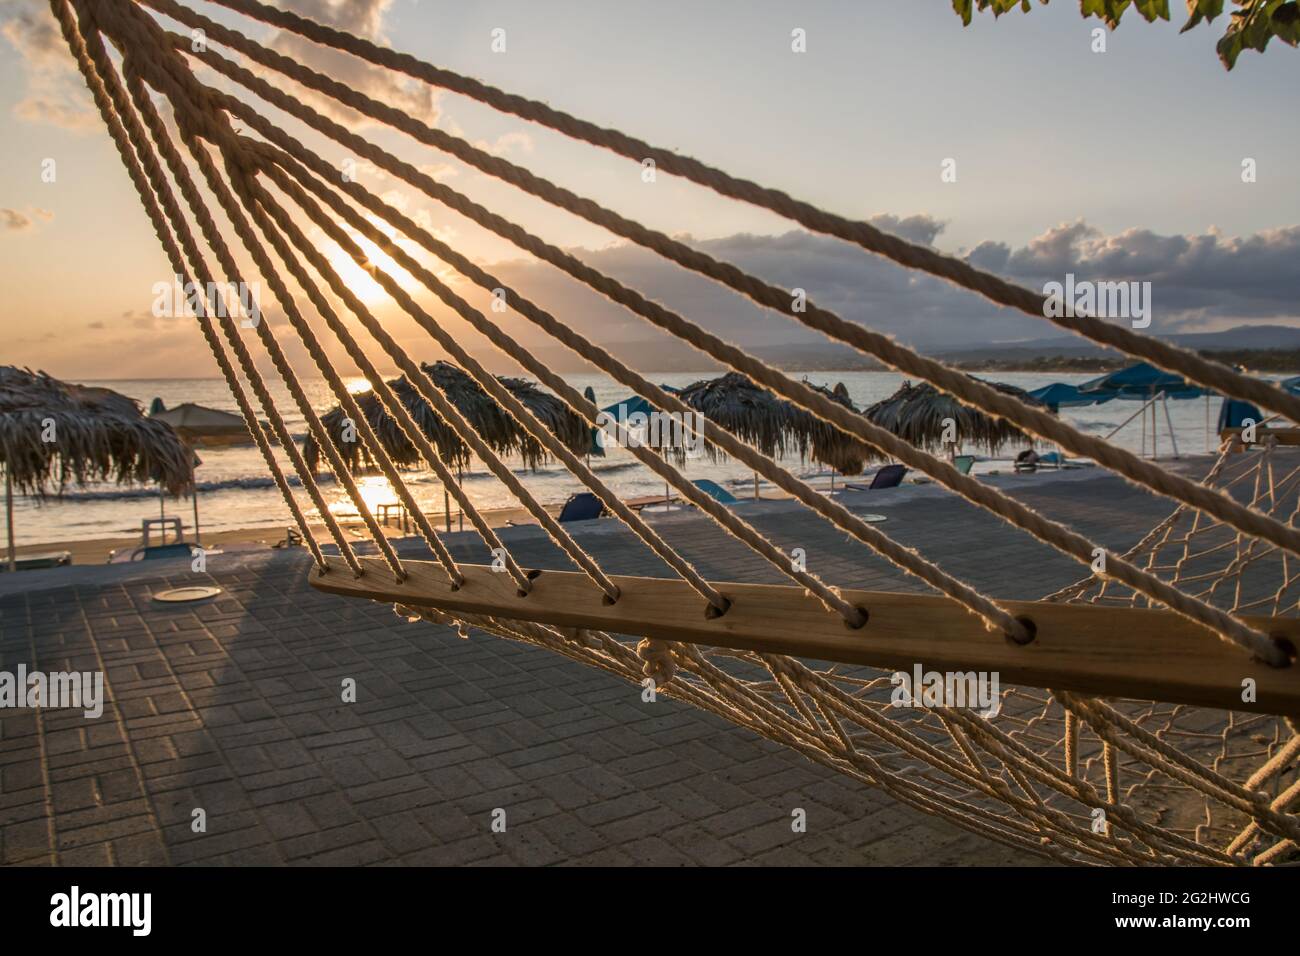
(1253, 360)
(1252, 337)
(1258, 347)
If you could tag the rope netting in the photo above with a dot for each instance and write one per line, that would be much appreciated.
(230, 192)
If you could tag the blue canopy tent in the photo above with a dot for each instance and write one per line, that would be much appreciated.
(1059, 395)
(1146, 383)
(1142, 381)
(1234, 412)
(622, 411)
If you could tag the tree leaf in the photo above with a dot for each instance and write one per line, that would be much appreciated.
(1250, 27)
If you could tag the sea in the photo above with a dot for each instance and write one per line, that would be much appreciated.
(235, 491)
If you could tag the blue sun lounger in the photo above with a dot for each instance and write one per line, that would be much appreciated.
(583, 506)
(715, 491)
(890, 476)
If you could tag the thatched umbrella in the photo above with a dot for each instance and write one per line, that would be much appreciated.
(493, 424)
(53, 434)
(772, 425)
(916, 414)
(833, 447)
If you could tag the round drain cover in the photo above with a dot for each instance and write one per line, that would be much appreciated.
(181, 595)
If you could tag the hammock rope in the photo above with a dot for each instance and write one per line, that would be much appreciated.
(966, 389)
(1212, 375)
(1062, 773)
(1053, 533)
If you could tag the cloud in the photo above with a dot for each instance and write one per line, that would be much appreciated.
(1198, 282)
(506, 143)
(55, 93)
(1193, 277)
(13, 220)
(363, 18)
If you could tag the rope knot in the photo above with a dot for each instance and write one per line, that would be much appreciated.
(657, 661)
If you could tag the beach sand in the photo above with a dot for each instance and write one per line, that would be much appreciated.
(96, 550)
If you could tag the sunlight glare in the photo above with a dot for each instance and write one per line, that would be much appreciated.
(359, 280)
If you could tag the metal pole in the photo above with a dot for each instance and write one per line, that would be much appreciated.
(9, 518)
(446, 508)
(1112, 432)
(1173, 439)
(1155, 449)
(460, 512)
(196, 513)
(755, 486)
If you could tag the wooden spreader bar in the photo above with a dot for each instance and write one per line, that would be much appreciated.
(1283, 436)
(1104, 651)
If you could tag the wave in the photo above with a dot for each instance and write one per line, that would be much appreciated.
(123, 494)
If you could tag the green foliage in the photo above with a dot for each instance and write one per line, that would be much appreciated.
(1250, 26)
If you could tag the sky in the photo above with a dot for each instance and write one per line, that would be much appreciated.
(1122, 165)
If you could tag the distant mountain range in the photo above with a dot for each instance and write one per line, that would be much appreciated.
(664, 355)
(1238, 338)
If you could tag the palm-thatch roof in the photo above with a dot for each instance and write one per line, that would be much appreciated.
(53, 434)
(494, 425)
(916, 414)
(830, 446)
(772, 425)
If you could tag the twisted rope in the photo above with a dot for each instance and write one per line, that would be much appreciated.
(1210, 374)
(1058, 536)
(804, 709)
(111, 102)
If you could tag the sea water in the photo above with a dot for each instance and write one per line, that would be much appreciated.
(235, 491)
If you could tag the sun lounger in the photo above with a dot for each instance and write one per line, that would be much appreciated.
(36, 562)
(583, 506)
(151, 552)
(715, 491)
(1027, 462)
(890, 476)
(292, 539)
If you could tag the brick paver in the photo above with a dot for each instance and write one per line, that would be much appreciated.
(233, 707)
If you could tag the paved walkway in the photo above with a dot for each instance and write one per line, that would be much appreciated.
(233, 707)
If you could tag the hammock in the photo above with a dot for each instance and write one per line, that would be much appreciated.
(1149, 712)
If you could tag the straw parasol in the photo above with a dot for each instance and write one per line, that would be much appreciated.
(748, 411)
(772, 425)
(494, 425)
(53, 434)
(830, 446)
(916, 414)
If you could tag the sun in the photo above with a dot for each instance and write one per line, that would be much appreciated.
(359, 280)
